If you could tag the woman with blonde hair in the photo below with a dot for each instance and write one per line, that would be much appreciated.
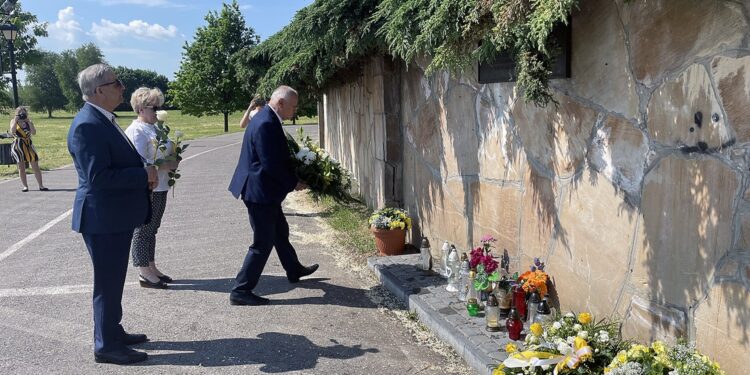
(142, 132)
(22, 150)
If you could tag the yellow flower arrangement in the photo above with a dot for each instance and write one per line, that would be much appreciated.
(536, 329)
(511, 348)
(390, 218)
(584, 318)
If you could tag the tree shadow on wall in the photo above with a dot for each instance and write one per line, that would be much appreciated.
(688, 224)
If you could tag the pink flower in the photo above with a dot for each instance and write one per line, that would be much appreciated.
(487, 238)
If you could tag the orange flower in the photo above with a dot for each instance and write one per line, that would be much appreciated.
(536, 280)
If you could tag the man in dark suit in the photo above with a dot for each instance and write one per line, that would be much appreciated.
(111, 200)
(263, 177)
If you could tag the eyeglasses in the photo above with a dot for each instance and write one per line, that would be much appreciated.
(117, 81)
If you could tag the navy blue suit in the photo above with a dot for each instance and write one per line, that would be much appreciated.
(112, 199)
(263, 177)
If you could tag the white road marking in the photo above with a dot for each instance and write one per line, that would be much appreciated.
(34, 235)
(51, 290)
(15, 247)
(213, 149)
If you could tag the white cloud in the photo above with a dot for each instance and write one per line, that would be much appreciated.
(148, 3)
(106, 31)
(66, 27)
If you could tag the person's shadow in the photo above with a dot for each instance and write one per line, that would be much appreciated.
(271, 285)
(276, 352)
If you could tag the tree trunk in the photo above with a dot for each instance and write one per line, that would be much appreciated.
(49, 113)
(226, 122)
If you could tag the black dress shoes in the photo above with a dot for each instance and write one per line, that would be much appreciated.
(306, 271)
(247, 299)
(146, 283)
(134, 338)
(120, 357)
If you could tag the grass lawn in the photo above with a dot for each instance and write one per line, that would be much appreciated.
(351, 226)
(51, 138)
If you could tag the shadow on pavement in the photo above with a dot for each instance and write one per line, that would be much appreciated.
(276, 352)
(270, 285)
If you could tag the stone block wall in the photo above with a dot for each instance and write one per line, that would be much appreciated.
(634, 188)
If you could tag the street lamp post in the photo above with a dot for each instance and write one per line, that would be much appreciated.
(10, 32)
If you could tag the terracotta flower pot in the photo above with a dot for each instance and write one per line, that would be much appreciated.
(389, 241)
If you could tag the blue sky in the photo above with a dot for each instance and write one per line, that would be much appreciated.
(146, 34)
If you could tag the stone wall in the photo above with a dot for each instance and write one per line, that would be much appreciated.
(634, 188)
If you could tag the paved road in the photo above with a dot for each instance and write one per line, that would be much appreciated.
(324, 325)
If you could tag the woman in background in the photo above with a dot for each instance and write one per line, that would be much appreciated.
(255, 105)
(22, 150)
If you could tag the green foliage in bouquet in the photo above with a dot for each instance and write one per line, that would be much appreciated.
(323, 174)
(390, 218)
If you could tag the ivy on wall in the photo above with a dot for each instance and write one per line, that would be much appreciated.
(330, 39)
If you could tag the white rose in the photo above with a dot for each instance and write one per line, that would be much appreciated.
(584, 335)
(577, 327)
(603, 336)
(562, 347)
(161, 115)
(570, 315)
(556, 325)
(300, 155)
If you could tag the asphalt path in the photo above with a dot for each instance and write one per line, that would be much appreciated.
(326, 324)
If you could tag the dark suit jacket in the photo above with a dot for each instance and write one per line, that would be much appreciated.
(264, 173)
(112, 194)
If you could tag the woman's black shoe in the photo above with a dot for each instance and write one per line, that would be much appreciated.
(146, 283)
(165, 279)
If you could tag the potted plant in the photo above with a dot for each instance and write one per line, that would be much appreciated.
(389, 226)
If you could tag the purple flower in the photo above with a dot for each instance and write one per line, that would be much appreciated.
(539, 264)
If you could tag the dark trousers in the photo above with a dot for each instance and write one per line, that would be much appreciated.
(109, 255)
(270, 229)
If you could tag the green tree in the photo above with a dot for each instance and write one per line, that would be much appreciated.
(135, 78)
(42, 91)
(67, 67)
(207, 83)
(24, 47)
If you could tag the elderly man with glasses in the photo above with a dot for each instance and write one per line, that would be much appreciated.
(112, 199)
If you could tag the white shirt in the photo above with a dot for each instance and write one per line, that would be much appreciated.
(111, 117)
(277, 115)
(143, 136)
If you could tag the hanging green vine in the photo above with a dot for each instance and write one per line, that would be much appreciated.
(333, 36)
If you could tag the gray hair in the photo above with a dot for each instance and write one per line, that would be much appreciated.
(92, 77)
(283, 92)
(145, 97)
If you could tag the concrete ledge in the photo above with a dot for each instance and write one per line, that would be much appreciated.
(441, 311)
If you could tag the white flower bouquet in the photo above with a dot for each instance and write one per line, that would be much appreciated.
(323, 174)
